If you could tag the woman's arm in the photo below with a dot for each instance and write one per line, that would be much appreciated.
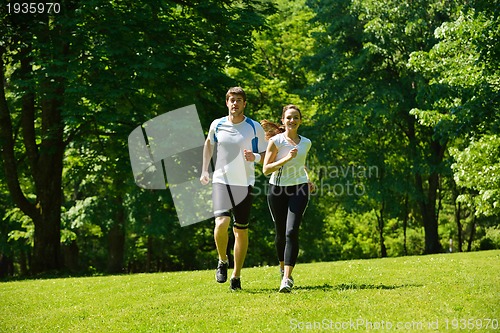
(312, 186)
(270, 165)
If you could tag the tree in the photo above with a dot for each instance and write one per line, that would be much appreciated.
(462, 71)
(477, 169)
(44, 144)
(275, 75)
(82, 73)
(362, 59)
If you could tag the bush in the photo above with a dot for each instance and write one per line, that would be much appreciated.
(491, 241)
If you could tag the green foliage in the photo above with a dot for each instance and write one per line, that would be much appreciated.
(413, 245)
(491, 240)
(465, 85)
(399, 82)
(113, 66)
(24, 231)
(275, 76)
(460, 80)
(408, 89)
(350, 236)
(477, 169)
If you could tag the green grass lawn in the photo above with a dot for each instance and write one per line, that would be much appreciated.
(435, 293)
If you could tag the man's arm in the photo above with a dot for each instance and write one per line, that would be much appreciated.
(207, 156)
(252, 157)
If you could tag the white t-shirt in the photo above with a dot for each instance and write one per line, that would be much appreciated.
(231, 139)
(292, 172)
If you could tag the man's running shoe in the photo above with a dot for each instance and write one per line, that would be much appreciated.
(286, 286)
(235, 284)
(221, 272)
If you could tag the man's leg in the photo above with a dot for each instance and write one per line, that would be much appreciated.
(240, 250)
(240, 231)
(221, 236)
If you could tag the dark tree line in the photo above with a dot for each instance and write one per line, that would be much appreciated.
(408, 88)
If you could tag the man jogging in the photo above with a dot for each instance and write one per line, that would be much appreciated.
(240, 142)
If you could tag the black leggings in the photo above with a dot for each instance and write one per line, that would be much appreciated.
(287, 205)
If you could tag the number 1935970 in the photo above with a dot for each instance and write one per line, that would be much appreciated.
(34, 8)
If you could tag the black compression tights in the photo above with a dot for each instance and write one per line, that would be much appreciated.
(287, 205)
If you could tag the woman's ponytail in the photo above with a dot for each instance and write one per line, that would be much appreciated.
(271, 128)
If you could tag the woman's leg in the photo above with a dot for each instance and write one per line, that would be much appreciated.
(278, 206)
(297, 204)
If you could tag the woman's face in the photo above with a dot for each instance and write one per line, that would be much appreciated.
(291, 119)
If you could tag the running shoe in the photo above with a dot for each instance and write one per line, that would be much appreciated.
(235, 284)
(221, 272)
(286, 286)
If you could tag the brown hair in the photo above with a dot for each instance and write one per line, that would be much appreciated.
(236, 91)
(288, 107)
(273, 129)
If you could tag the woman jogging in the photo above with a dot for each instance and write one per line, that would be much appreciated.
(289, 186)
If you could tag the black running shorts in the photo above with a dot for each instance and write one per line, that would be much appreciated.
(235, 199)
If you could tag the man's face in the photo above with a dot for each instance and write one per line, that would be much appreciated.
(236, 105)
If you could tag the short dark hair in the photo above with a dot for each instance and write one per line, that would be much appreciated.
(236, 91)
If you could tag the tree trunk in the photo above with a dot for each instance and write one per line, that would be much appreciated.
(48, 180)
(47, 167)
(44, 155)
(458, 211)
(70, 254)
(381, 223)
(457, 214)
(23, 263)
(472, 232)
(116, 240)
(47, 240)
(7, 145)
(428, 201)
(149, 254)
(405, 226)
(429, 218)
(47, 245)
(6, 266)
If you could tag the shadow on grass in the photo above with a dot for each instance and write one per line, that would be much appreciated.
(339, 287)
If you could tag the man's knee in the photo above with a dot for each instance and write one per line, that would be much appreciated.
(240, 226)
(222, 222)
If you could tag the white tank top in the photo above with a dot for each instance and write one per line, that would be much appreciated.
(293, 172)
